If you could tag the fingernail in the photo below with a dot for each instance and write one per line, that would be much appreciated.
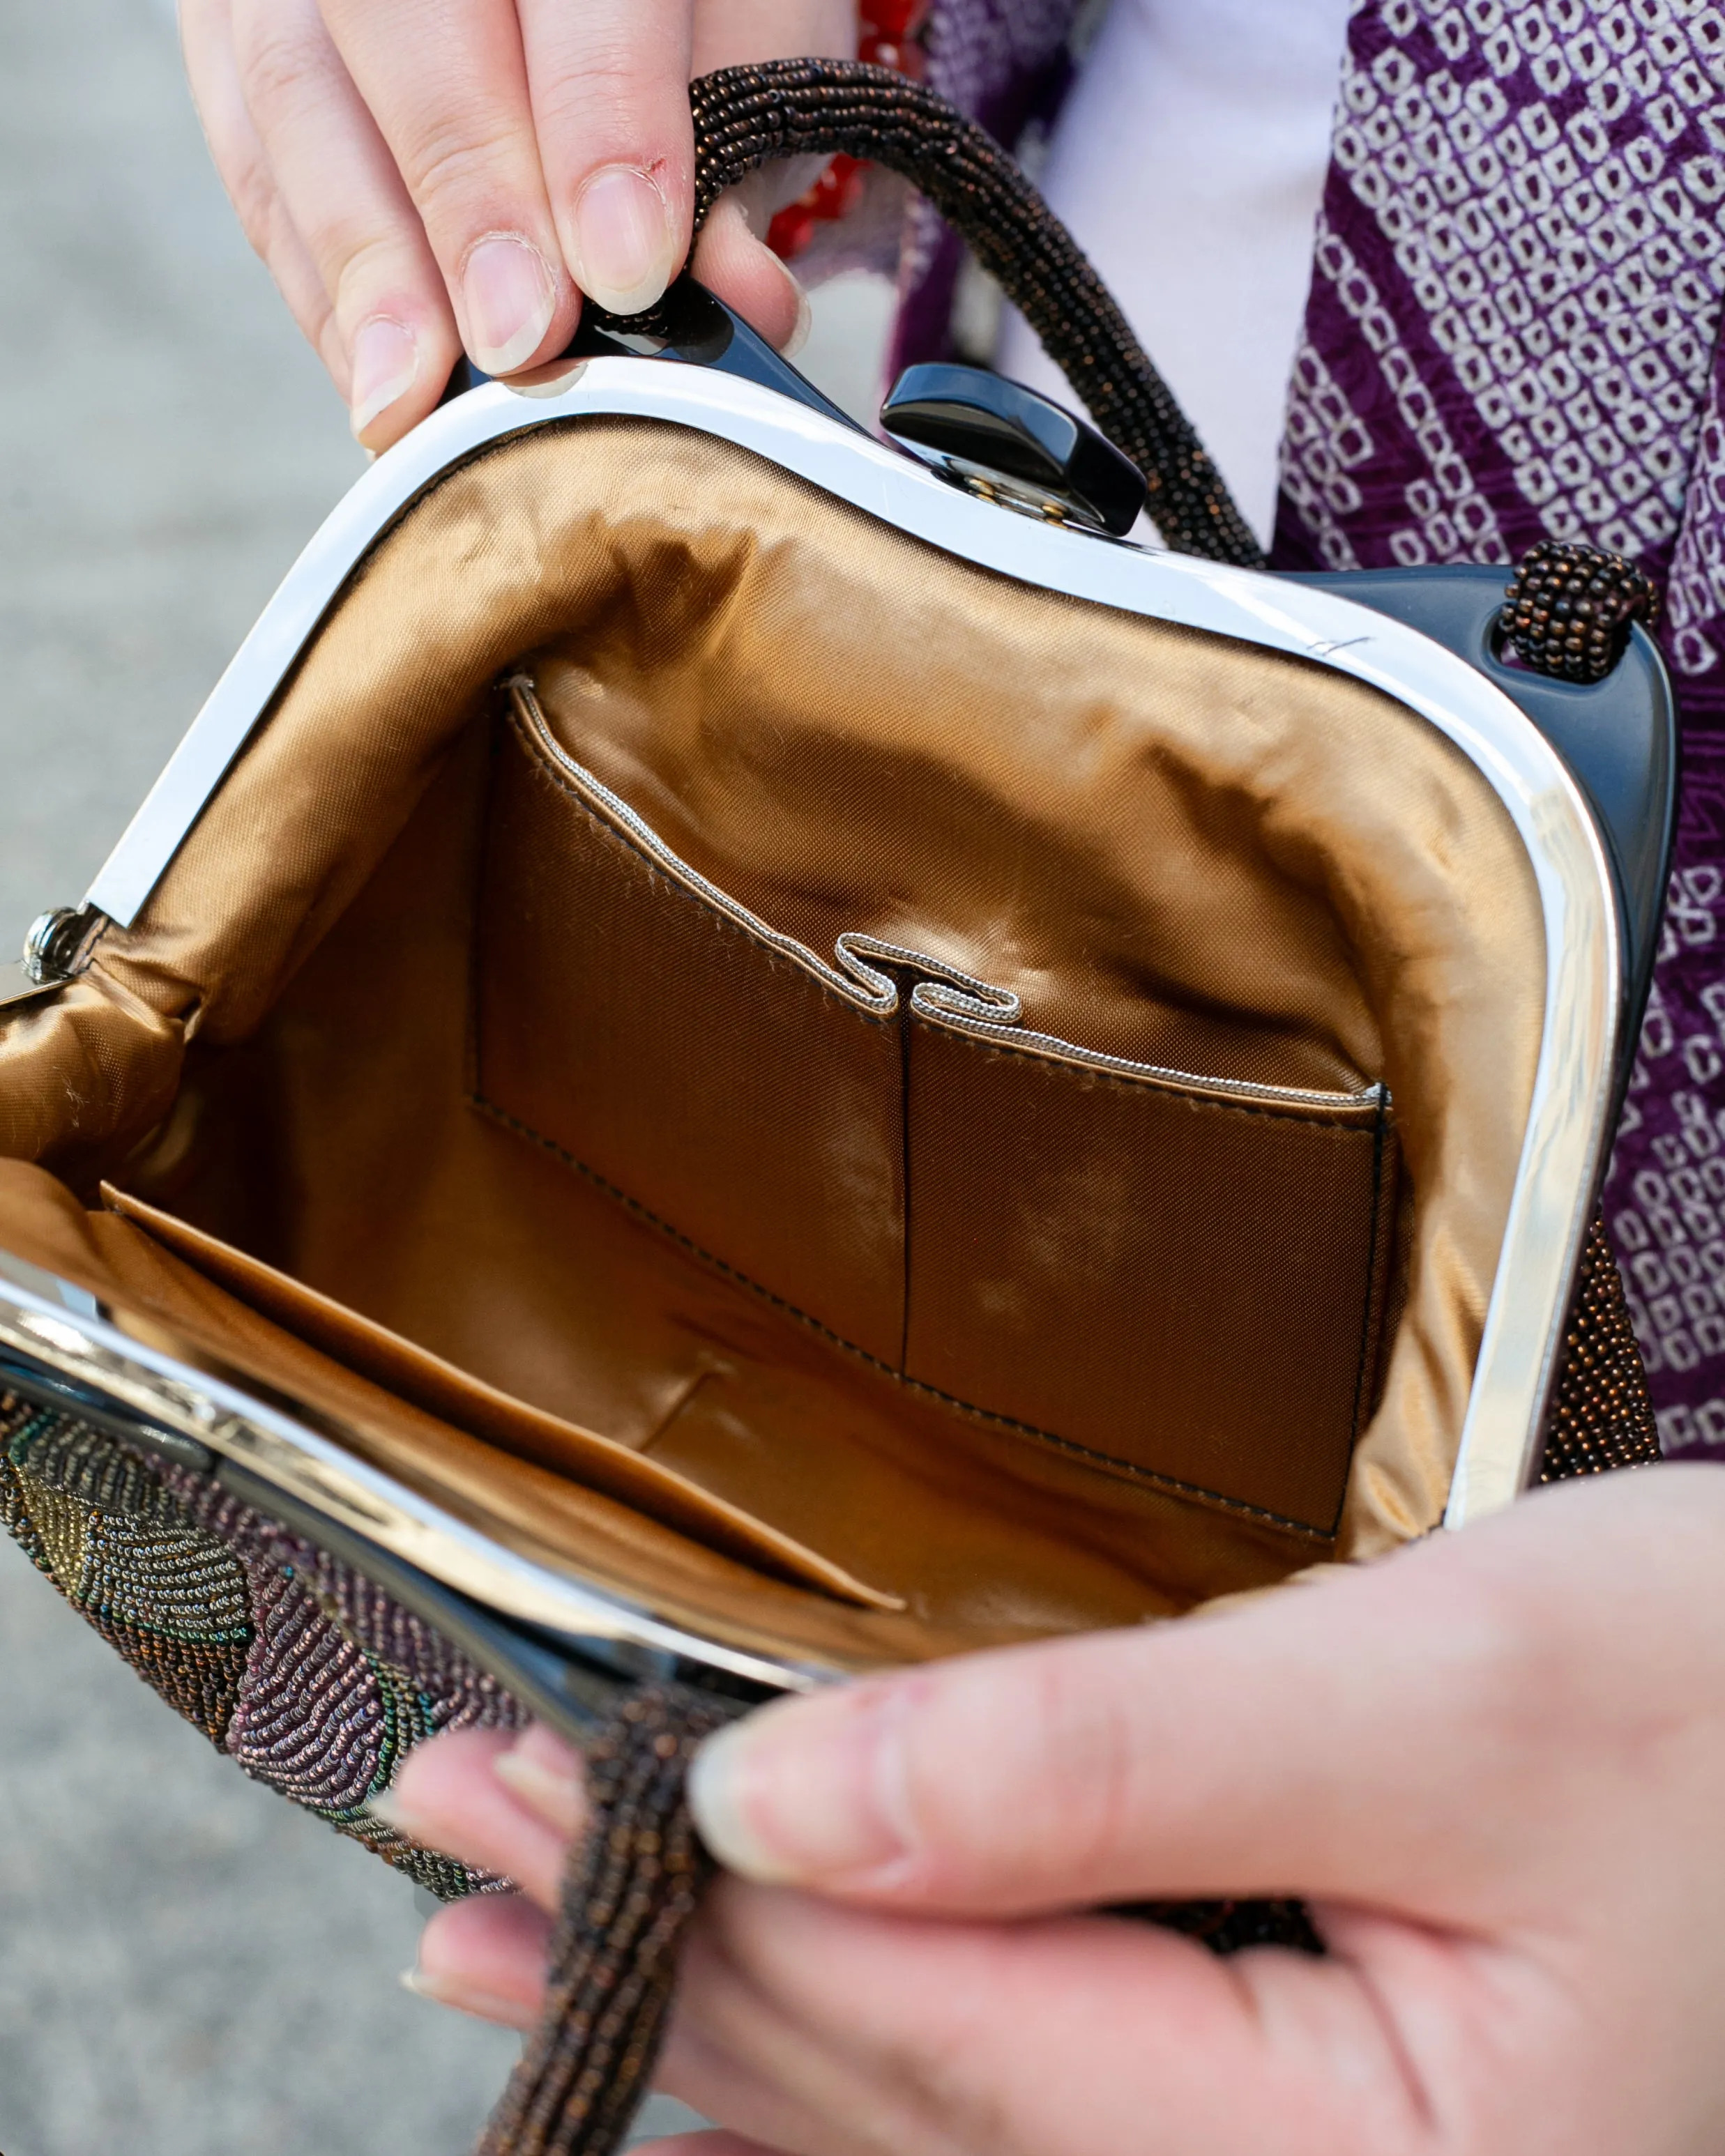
(548, 1789)
(466, 1998)
(624, 252)
(510, 296)
(386, 365)
(809, 1791)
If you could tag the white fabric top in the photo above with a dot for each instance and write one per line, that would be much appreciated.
(1189, 164)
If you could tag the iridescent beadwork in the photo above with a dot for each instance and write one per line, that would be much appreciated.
(308, 1677)
(171, 1597)
(1602, 1416)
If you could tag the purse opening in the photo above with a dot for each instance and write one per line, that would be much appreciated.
(865, 1105)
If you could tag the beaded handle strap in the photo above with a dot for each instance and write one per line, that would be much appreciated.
(1567, 611)
(746, 117)
(631, 1886)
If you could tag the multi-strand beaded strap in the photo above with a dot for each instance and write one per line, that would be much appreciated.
(1568, 611)
(630, 1890)
(746, 117)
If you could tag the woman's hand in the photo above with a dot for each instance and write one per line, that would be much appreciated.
(1495, 1764)
(420, 179)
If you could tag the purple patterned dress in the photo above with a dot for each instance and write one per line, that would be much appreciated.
(1513, 332)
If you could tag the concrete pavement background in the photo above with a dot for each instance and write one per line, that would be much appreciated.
(188, 1967)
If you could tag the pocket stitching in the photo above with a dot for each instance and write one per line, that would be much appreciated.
(668, 885)
(1126, 1468)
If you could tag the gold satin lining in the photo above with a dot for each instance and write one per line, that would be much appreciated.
(1180, 848)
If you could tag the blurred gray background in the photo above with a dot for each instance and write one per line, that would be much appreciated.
(187, 1965)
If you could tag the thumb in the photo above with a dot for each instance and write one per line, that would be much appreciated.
(746, 273)
(1394, 1735)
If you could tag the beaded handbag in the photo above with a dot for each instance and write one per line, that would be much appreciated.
(730, 1055)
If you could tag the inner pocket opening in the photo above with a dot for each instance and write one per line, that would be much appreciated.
(1175, 850)
(1030, 1230)
(851, 1243)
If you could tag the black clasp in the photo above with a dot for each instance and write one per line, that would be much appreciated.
(998, 437)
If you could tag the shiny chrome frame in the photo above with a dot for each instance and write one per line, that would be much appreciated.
(58, 1327)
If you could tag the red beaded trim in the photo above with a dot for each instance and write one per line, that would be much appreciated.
(889, 31)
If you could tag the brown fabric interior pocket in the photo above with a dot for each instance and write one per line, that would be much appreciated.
(411, 1373)
(1039, 1234)
(711, 1079)
(715, 1207)
(1077, 1266)
(344, 1149)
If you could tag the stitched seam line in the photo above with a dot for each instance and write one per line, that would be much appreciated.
(1379, 1149)
(1126, 1468)
(1338, 1117)
(602, 828)
(1057, 1066)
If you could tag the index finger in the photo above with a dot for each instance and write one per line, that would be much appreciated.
(609, 84)
(448, 89)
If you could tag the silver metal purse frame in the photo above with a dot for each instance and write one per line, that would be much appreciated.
(61, 1329)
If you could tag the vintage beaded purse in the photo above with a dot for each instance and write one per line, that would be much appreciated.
(729, 1057)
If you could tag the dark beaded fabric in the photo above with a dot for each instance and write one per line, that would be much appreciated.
(1568, 608)
(631, 1890)
(749, 117)
(172, 1601)
(309, 1678)
(1568, 613)
(1601, 1414)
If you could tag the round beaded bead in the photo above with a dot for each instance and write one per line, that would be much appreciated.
(1568, 608)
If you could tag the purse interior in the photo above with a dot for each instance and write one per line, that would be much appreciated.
(867, 1107)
